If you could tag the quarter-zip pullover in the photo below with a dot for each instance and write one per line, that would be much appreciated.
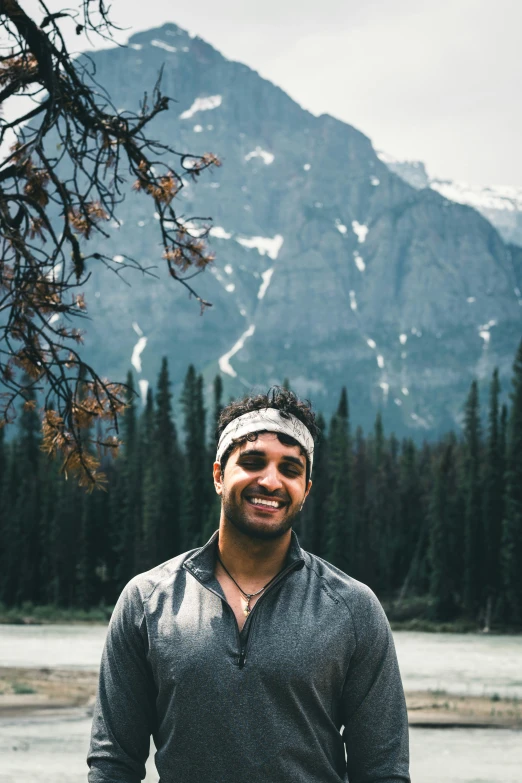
(264, 705)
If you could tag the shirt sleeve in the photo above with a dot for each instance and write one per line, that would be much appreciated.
(124, 713)
(373, 705)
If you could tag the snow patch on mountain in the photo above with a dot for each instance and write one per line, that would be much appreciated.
(267, 277)
(359, 261)
(224, 361)
(144, 387)
(163, 45)
(202, 104)
(219, 232)
(267, 157)
(360, 230)
(265, 246)
(136, 353)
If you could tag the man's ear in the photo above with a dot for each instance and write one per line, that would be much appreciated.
(218, 484)
(309, 487)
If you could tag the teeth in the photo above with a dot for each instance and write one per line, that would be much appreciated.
(264, 502)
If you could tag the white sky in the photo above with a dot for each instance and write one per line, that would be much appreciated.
(433, 80)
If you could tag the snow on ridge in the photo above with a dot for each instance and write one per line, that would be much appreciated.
(202, 104)
(219, 232)
(360, 230)
(267, 157)
(163, 45)
(136, 353)
(504, 197)
(267, 277)
(386, 158)
(263, 245)
(224, 361)
(359, 261)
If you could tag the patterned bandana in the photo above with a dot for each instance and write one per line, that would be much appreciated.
(271, 420)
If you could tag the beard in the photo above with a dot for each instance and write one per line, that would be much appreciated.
(242, 521)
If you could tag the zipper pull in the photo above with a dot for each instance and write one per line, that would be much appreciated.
(242, 658)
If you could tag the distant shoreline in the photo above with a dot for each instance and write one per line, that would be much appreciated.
(29, 691)
(51, 615)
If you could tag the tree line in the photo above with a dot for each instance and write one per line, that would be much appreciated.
(441, 520)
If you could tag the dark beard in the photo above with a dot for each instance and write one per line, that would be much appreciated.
(241, 522)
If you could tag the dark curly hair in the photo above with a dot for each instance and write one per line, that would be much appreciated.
(277, 397)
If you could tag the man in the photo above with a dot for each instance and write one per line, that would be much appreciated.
(245, 659)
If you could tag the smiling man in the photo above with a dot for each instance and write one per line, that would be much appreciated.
(250, 660)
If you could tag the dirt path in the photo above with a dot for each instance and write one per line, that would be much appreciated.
(25, 691)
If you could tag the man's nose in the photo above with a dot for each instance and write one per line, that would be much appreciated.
(270, 479)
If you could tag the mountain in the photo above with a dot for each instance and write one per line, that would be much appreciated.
(330, 269)
(500, 204)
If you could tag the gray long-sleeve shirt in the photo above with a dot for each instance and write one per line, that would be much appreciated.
(262, 706)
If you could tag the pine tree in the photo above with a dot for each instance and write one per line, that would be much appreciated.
(441, 518)
(314, 516)
(410, 512)
(197, 479)
(364, 560)
(129, 538)
(512, 526)
(493, 501)
(339, 523)
(169, 460)
(27, 503)
(151, 515)
(473, 543)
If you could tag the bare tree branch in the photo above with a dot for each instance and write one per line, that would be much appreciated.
(67, 169)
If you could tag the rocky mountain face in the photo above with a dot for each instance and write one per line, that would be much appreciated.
(501, 205)
(330, 269)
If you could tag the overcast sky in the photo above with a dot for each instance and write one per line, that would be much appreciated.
(431, 80)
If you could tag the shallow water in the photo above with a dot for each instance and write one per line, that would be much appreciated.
(457, 663)
(53, 750)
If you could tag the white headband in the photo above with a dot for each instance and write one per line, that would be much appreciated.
(271, 420)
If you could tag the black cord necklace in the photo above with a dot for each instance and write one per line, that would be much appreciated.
(248, 596)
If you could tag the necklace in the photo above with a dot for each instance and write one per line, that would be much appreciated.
(248, 596)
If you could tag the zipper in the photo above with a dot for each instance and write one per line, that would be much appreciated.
(243, 646)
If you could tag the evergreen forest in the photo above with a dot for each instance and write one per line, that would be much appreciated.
(436, 525)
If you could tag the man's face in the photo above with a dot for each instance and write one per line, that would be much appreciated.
(263, 487)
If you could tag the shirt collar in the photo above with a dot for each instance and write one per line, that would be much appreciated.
(202, 562)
